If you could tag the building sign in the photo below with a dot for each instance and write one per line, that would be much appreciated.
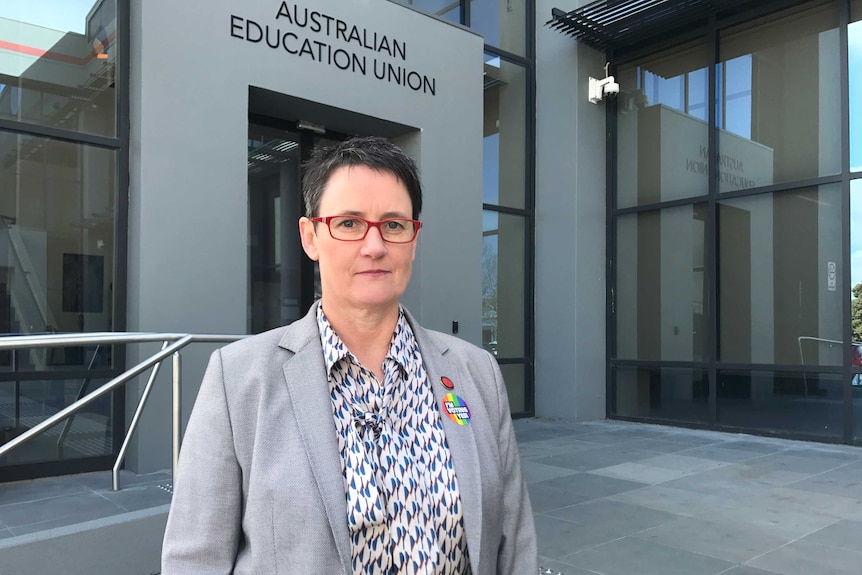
(332, 41)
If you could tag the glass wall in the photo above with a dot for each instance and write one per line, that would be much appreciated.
(506, 227)
(778, 303)
(59, 65)
(778, 110)
(661, 316)
(502, 23)
(61, 165)
(756, 226)
(446, 9)
(662, 134)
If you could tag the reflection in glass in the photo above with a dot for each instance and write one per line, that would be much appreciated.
(778, 109)
(779, 256)
(680, 395)
(503, 265)
(513, 374)
(60, 65)
(661, 290)
(446, 9)
(88, 434)
(803, 403)
(854, 53)
(661, 127)
(275, 205)
(503, 24)
(505, 133)
(57, 216)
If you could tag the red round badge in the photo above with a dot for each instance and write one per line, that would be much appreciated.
(447, 383)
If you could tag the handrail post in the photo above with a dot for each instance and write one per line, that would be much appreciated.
(177, 415)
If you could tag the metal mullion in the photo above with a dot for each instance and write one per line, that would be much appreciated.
(506, 210)
(530, 204)
(611, 249)
(846, 224)
(711, 245)
(513, 360)
(658, 363)
(59, 134)
(510, 57)
(465, 12)
(661, 205)
(783, 187)
(732, 366)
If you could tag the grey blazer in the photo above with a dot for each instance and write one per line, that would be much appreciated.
(260, 489)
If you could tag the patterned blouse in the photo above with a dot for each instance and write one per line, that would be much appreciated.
(403, 505)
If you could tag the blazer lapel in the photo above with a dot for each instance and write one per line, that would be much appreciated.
(461, 440)
(307, 387)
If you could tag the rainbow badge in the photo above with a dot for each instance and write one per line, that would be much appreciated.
(456, 409)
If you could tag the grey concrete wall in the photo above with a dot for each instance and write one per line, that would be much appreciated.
(130, 544)
(188, 197)
(570, 227)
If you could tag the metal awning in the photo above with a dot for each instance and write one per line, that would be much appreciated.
(623, 23)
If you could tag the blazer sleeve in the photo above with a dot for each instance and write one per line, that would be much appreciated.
(517, 552)
(203, 532)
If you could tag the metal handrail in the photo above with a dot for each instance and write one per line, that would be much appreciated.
(59, 340)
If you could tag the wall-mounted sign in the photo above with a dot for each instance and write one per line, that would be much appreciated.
(831, 276)
(331, 41)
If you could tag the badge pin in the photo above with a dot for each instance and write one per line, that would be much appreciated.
(447, 383)
(456, 409)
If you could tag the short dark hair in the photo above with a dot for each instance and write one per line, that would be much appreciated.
(372, 152)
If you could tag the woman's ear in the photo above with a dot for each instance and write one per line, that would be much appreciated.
(308, 237)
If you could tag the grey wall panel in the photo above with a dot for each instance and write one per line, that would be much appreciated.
(570, 227)
(188, 196)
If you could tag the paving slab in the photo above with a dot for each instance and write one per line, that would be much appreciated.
(629, 556)
(804, 558)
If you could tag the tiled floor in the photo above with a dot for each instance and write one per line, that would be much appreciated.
(609, 498)
(615, 498)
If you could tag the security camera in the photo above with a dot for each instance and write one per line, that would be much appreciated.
(604, 88)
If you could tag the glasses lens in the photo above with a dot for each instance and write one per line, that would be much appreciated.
(397, 230)
(347, 228)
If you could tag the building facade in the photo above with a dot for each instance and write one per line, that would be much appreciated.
(683, 252)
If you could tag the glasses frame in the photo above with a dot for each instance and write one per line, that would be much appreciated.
(371, 224)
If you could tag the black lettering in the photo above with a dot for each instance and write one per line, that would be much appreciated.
(365, 40)
(283, 10)
(384, 45)
(354, 35)
(341, 30)
(400, 48)
(320, 47)
(248, 25)
(358, 63)
(306, 49)
(304, 22)
(703, 152)
(381, 74)
(284, 42)
(234, 26)
(429, 85)
(277, 39)
(393, 72)
(414, 76)
(345, 61)
(315, 21)
(329, 20)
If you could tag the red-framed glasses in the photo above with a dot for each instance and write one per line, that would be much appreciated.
(354, 228)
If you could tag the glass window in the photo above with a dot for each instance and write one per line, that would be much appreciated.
(661, 288)
(662, 393)
(58, 64)
(503, 265)
(26, 404)
(513, 374)
(662, 134)
(778, 109)
(503, 23)
(446, 9)
(505, 133)
(854, 36)
(57, 218)
(801, 403)
(779, 257)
